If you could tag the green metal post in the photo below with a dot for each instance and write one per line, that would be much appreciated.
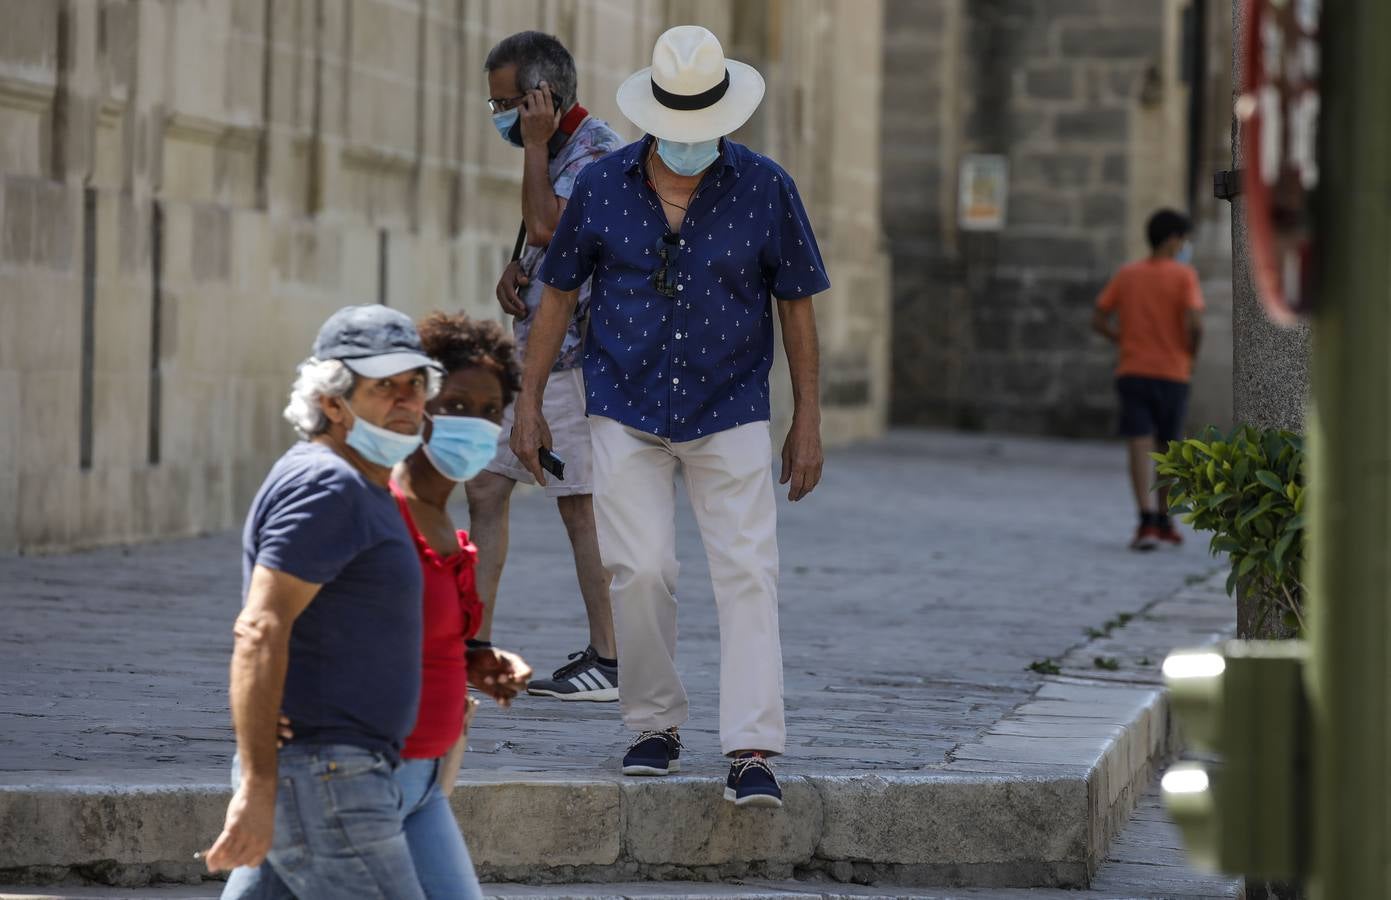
(1350, 577)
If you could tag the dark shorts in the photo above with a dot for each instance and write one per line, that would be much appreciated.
(1152, 407)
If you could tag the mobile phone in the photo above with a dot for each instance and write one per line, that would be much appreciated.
(551, 463)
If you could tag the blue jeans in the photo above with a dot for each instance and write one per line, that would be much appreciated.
(441, 858)
(338, 832)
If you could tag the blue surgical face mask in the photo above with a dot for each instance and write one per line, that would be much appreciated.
(1185, 254)
(688, 159)
(377, 444)
(460, 446)
(508, 124)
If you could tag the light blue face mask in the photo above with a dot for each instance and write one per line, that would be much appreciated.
(460, 446)
(508, 122)
(379, 445)
(1185, 254)
(688, 159)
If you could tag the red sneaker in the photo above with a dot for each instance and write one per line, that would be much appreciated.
(1169, 534)
(1146, 538)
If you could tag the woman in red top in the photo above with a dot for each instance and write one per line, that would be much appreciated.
(481, 378)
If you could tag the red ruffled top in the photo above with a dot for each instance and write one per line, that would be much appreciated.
(453, 614)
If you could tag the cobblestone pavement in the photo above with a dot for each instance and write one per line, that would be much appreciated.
(919, 582)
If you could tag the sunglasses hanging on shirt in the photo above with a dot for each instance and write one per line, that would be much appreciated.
(666, 277)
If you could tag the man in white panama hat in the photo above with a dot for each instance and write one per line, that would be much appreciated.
(688, 237)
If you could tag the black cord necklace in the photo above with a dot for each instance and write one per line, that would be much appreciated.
(653, 183)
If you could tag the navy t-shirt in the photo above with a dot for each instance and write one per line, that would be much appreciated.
(354, 671)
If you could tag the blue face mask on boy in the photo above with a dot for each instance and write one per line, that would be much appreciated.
(1185, 254)
(460, 446)
(688, 159)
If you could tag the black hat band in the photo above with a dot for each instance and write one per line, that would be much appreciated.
(688, 102)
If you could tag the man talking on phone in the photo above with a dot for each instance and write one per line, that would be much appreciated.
(532, 95)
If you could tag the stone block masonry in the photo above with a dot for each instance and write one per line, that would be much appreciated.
(251, 166)
(1087, 102)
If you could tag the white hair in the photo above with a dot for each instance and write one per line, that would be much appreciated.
(319, 378)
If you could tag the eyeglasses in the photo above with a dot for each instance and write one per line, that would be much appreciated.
(497, 105)
(666, 276)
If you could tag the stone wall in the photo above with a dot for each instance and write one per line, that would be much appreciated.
(1085, 99)
(191, 186)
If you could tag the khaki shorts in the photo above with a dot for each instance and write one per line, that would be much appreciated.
(563, 407)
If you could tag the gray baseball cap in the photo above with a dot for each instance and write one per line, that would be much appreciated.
(374, 341)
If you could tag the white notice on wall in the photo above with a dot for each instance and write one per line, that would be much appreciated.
(983, 187)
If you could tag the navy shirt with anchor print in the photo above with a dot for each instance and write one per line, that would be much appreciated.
(686, 355)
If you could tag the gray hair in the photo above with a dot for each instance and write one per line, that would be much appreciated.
(319, 378)
(538, 57)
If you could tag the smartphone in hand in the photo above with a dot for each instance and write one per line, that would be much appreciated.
(551, 463)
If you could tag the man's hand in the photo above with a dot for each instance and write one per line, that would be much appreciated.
(801, 458)
(498, 673)
(529, 433)
(284, 731)
(1102, 325)
(509, 289)
(248, 830)
(540, 118)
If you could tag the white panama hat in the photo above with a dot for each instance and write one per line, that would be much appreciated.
(690, 93)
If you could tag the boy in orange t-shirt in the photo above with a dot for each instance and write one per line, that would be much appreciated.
(1152, 311)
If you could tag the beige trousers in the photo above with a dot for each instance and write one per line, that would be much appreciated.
(730, 483)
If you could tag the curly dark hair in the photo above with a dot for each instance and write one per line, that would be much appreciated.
(457, 342)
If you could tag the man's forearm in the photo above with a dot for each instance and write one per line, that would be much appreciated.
(550, 322)
(540, 210)
(259, 660)
(803, 355)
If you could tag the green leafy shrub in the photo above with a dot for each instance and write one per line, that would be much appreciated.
(1247, 488)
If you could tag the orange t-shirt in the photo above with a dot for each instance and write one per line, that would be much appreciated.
(1151, 299)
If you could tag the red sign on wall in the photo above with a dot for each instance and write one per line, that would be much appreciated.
(1279, 115)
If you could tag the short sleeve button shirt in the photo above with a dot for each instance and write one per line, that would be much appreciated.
(687, 366)
(591, 140)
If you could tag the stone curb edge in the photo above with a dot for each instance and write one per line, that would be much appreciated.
(1034, 802)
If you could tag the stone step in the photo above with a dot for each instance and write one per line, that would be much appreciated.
(680, 890)
(1034, 801)
(1145, 863)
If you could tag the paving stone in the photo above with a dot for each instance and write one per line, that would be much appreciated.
(696, 826)
(534, 822)
(62, 825)
(897, 820)
(920, 581)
